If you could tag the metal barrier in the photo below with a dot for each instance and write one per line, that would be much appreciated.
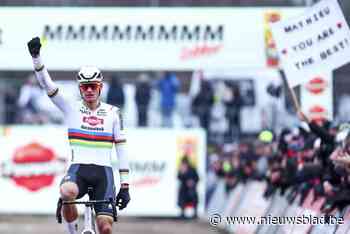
(246, 200)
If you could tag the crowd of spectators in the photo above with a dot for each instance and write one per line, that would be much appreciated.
(218, 114)
(311, 156)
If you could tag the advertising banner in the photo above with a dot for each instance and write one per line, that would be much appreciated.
(34, 160)
(317, 97)
(137, 38)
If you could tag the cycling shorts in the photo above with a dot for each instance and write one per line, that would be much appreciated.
(100, 178)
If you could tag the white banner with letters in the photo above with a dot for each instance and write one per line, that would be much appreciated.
(318, 39)
(136, 38)
(34, 159)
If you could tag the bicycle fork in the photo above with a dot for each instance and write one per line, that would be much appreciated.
(88, 229)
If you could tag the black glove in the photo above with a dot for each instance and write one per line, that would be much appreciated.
(123, 198)
(34, 47)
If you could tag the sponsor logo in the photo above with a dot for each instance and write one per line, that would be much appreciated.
(318, 113)
(101, 112)
(92, 129)
(92, 120)
(147, 173)
(129, 32)
(84, 110)
(208, 38)
(316, 85)
(199, 51)
(33, 167)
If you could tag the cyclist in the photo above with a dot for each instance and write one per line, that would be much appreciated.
(93, 128)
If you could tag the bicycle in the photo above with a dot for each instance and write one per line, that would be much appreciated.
(89, 222)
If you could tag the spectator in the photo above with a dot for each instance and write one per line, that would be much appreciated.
(28, 102)
(188, 195)
(10, 105)
(142, 99)
(202, 104)
(327, 134)
(263, 152)
(168, 87)
(343, 108)
(218, 122)
(233, 108)
(115, 95)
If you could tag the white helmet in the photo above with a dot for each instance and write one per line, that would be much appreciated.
(89, 74)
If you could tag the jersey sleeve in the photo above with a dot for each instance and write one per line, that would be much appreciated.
(118, 128)
(51, 88)
(120, 145)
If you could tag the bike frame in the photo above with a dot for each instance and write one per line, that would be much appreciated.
(88, 228)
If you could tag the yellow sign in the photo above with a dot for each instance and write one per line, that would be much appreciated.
(272, 59)
(187, 146)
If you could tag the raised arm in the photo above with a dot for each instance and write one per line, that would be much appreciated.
(43, 77)
(319, 131)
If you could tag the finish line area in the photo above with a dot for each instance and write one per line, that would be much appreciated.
(126, 225)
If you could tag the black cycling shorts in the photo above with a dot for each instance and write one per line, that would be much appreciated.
(100, 178)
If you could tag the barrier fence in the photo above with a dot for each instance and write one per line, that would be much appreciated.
(244, 210)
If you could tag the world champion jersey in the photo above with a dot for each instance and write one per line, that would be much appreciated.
(92, 134)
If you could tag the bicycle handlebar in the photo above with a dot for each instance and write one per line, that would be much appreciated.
(86, 203)
(89, 202)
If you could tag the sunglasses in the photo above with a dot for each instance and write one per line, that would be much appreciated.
(92, 86)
